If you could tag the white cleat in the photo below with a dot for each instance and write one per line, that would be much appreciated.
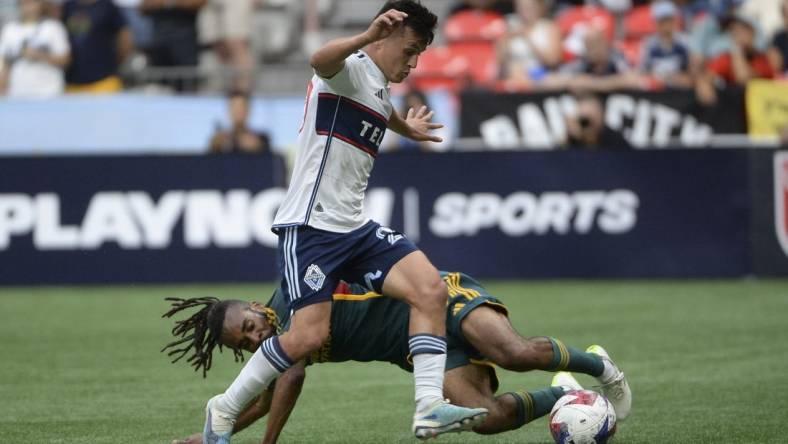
(615, 387)
(566, 381)
(443, 417)
(218, 424)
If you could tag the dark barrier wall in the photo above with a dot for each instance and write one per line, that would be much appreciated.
(138, 219)
(671, 213)
(645, 119)
(770, 214)
(579, 214)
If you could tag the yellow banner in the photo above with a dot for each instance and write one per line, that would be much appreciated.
(767, 107)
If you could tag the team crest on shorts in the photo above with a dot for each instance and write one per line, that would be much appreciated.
(314, 277)
(781, 198)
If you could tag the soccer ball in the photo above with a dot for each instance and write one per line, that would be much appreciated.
(582, 417)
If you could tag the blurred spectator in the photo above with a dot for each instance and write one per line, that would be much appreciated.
(174, 36)
(239, 138)
(766, 13)
(665, 55)
(311, 40)
(587, 129)
(778, 52)
(100, 42)
(415, 100)
(532, 47)
(707, 34)
(226, 26)
(141, 25)
(34, 51)
(503, 7)
(601, 68)
(739, 65)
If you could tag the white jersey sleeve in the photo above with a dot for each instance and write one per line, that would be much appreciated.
(345, 118)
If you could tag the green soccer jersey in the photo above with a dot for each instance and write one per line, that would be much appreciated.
(366, 326)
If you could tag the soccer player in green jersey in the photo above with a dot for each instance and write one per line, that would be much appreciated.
(365, 326)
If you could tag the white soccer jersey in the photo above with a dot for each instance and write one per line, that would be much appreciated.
(345, 118)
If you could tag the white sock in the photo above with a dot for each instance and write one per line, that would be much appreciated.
(256, 375)
(428, 372)
(608, 373)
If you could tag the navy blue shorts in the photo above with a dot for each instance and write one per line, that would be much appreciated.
(312, 262)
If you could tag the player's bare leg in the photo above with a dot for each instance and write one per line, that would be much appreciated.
(416, 281)
(490, 332)
(470, 385)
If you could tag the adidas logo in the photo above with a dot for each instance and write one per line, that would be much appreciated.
(379, 94)
(319, 208)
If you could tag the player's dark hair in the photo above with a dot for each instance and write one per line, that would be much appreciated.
(420, 19)
(200, 332)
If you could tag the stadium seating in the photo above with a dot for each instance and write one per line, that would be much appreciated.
(474, 25)
(638, 23)
(582, 16)
(440, 68)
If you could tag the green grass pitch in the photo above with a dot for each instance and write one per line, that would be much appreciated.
(707, 362)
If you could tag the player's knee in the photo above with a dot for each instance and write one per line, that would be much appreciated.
(433, 294)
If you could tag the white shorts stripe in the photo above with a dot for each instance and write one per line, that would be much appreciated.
(288, 263)
(294, 260)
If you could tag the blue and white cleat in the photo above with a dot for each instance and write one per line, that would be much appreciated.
(615, 386)
(443, 417)
(218, 425)
(566, 381)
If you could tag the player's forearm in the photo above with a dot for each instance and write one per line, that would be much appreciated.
(288, 388)
(330, 59)
(254, 411)
(397, 124)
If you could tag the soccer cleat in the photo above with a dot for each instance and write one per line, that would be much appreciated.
(566, 381)
(615, 387)
(218, 425)
(443, 417)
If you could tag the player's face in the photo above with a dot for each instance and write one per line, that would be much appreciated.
(245, 328)
(400, 54)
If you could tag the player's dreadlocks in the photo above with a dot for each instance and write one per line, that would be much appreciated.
(199, 332)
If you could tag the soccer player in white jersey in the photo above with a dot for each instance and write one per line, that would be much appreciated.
(324, 235)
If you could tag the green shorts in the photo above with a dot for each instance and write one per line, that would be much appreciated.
(466, 295)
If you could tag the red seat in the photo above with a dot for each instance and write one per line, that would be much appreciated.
(639, 23)
(481, 58)
(439, 68)
(587, 16)
(474, 25)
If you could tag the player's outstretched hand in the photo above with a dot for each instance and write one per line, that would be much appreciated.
(420, 125)
(385, 24)
(194, 439)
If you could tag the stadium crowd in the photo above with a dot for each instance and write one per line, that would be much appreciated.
(53, 46)
(586, 47)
